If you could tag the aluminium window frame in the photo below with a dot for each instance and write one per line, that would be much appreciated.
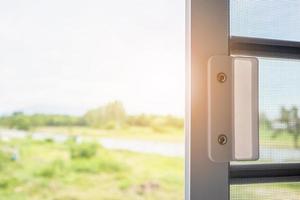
(263, 47)
(264, 173)
(207, 34)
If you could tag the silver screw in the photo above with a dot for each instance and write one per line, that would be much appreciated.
(221, 77)
(222, 139)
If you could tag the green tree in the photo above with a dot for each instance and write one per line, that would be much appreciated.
(22, 121)
(290, 118)
(111, 113)
(264, 121)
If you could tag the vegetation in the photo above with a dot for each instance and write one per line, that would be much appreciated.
(111, 116)
(74, 170)
(289, 122)
(48, 171)
(51, 171)
(158, 123)
(21, 121)
(84, 150)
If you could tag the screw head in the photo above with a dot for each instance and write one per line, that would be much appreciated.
(221, 77)
(222, 139)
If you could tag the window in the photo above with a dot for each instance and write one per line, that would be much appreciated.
(269, 31)
(265, 27)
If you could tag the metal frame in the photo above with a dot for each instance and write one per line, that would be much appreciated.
(264, 173)
(262, 47)
(207, 35)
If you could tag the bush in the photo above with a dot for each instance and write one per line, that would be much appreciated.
(21, 121)
(84, 150)
(101, 116)
(56, 168)
(156, 121)
(8, 182)
(5, 158)
(110, 125)
(97, 165)
(158, 129)
(140, 120)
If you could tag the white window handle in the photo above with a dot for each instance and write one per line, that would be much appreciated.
(233, 108)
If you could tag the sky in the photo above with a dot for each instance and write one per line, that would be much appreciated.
(266, 19)
(66, 57)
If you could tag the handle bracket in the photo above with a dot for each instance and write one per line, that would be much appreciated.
(233, 108)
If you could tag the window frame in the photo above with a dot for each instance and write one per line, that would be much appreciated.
(262, 47)
(207, 25)
(264, 173)
(207, 34)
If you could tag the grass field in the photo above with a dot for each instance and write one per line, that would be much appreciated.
(45, 170)
(51, 171)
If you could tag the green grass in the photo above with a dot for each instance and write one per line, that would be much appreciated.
(70, 171)
(47, 171)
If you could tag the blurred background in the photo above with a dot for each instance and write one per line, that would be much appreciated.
(92, 99)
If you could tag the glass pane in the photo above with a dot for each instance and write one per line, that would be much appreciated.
(272, 191)
(91, 100)
(266, 19)
(279, 104)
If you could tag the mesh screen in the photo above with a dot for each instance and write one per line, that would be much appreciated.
(279, 90)
(266, 19)
(282, 191)
(279, 104)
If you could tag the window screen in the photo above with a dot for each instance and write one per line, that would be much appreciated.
(266, 19)
(270, 191)
(279, 128)
(279, 94)
(279, 109)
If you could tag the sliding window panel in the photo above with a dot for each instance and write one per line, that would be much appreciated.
(279, 110)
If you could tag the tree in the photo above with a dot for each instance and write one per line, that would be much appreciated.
(19, 120)
(112, 113)
(290, 119)
(295, 125)
(264, 122)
